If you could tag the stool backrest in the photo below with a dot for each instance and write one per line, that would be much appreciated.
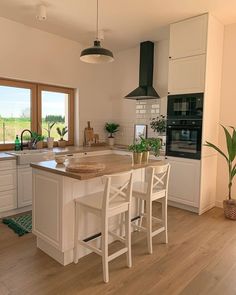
(158, 178)
(117, 186)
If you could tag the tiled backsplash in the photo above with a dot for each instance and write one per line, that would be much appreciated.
(145, 111)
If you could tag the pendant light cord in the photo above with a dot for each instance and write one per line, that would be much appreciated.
(97, 20)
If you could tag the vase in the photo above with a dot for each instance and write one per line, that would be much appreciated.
(230, 209)
(62, 143)
(39, 145)
(50, 141)
(145, 157)
(137, 158)
(111, 141)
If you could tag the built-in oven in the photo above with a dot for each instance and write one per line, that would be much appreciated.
(184, 138)
(185, 106)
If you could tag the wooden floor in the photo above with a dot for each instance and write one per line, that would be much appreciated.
(199, 259)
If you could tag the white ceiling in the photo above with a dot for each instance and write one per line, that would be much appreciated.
(126, 22)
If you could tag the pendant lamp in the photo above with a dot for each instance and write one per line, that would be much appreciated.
(96, 54)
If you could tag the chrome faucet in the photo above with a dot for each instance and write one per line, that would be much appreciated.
(21, 138)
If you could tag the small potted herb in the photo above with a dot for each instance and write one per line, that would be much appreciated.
(230, 157)
(137, 149)
(62, 132)
(37, 140)
(111, 128)
(50, 140)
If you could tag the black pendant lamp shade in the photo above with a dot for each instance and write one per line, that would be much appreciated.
(96, 54)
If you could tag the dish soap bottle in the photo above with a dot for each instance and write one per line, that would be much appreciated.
(17, 144)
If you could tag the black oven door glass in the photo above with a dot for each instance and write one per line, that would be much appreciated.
(184, 142)
(185, 106)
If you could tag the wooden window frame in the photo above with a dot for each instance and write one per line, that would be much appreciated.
(36, 107)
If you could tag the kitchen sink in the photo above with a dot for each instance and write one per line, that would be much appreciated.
(26, 157)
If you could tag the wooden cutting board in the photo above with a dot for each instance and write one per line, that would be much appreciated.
(89, 167)
(88, 134)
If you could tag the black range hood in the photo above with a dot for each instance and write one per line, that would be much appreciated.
(145, 89)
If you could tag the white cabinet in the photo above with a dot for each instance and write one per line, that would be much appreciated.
(184, 184)
(187, 75)
(24, 186)
(8, 182)
(188, 37)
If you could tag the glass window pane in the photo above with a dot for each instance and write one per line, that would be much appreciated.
(54, 109)
(15, 112)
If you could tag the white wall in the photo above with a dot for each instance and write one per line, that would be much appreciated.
(228, 106)
(33, 55)
(125, 79)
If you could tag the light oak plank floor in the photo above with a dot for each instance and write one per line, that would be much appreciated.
(199, 259)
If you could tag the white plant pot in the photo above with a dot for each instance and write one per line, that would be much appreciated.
(111, 141)
(50, 141)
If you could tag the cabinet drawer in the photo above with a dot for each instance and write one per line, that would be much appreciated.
(8, 200)
(7, 165)
(7, 180)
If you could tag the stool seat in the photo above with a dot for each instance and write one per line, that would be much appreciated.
(95, 200)
(140, 190)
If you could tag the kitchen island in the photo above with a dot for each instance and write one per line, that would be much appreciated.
(54, 191)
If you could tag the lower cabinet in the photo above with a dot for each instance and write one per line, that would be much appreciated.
(184, 183)
(8, 182)
(24, 186)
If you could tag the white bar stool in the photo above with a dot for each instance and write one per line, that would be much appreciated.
(114, 200)
(155, 188)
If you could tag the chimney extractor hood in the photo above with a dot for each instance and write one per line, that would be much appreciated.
(145, 89)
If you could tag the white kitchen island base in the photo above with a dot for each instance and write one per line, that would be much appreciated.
(54, 211)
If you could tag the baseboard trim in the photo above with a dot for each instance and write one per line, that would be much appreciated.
(219, 204)
(15, 211)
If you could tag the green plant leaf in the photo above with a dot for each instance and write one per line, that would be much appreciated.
(233, 173)
(217, 149)
(229, 141)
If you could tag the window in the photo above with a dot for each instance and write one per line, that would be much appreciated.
(32, 106)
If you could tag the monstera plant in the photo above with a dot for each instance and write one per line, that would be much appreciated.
(230, 156)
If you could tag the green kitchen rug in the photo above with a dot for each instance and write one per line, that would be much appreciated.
(19, 224)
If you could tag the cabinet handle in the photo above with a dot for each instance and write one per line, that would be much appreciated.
(170, 57)
(168, 92)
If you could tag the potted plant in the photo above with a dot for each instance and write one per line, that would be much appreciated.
(50, 140)
(150, 145)
(62, 132)
(230, 138)
(111, 128)
(158, 125)
(137, 149)
(37, 140)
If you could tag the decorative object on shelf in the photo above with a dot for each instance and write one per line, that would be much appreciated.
(96, 53)
(149, 145)
(111, 128)
(230, 155)
(60, 159)
(62, 132)
(41, 13)
(88, 135)
(37, 140)
(140, 130)
(137, 150)
(50, 140)
(158, 124)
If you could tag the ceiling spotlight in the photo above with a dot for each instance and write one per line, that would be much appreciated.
(41, 13)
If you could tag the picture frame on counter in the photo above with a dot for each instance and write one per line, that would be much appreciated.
(140, 130)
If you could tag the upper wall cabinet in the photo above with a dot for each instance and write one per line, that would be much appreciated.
(188, 37)
(187, 75)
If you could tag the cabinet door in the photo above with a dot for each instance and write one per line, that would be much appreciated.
(7, 180)
(24, 187)
(187, 75)
(184, 184)
(188, 37)
(8, 200)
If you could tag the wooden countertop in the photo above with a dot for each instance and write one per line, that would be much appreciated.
(114, 164)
